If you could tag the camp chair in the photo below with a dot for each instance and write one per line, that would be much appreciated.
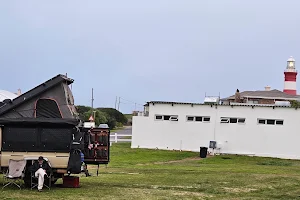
(15, 172)
(34, 179)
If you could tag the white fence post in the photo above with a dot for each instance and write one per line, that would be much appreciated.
(116, 137)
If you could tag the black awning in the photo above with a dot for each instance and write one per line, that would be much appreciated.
(39, 121)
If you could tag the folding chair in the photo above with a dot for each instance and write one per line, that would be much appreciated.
(34, 179)
(15, 172)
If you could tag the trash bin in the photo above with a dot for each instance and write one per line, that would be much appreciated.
(203, 152)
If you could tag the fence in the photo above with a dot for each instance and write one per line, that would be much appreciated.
(115, 138)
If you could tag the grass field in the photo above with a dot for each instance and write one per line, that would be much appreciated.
(155, 174)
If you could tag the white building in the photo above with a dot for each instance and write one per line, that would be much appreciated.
(7, 95)
(259, 130)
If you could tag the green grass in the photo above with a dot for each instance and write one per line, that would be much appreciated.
(156, 174)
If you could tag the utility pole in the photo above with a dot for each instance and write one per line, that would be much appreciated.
(116, 103)
(119, 104)
(92, 98)
(134, 106)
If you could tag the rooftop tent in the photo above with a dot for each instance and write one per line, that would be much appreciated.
(51, 99)
(40, 120)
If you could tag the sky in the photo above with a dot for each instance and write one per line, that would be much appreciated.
(156, 50)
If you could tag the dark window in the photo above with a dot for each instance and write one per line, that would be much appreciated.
(190, 118)
(198, 119)
(47, 108)
(270, 121)
(241, 120)
(158, 117)
(167, 117)
(279, 122)
(224, 120)
(233, 120)
(206, 119)
(173, 118)
(262, 121)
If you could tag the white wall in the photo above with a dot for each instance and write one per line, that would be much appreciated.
(250, 138)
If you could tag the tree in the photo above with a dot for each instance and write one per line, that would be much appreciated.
(81, 110)
(100, 117)
(109, 116)
(118, 116)
(295, 104)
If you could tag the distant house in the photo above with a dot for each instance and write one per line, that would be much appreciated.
(266, 96)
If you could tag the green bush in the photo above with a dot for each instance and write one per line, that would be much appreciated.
(119, 125)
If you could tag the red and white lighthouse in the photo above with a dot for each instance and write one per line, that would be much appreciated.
(290, 77)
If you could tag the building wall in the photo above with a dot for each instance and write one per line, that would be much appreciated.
(249, 138)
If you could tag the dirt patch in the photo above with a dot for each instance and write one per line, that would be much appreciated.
(238, 190)
(194, 194)
(171, 161)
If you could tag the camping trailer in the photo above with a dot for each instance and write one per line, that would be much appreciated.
(44, 122)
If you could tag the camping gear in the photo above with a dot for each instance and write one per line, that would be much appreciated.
(71, 181)
(74, 164)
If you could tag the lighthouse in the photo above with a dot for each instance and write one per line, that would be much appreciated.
(290, 77)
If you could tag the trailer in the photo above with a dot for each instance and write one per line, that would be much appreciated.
(44, 122)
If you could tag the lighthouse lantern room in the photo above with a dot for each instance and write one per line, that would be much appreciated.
(290, 77)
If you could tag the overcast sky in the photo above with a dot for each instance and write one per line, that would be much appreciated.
(148, 50)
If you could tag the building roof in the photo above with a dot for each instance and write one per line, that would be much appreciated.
(265, 94)
(7, 95)
(233, 104)
(7, 106)
(291, 59)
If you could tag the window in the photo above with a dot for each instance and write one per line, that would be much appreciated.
(241, 120)
(188, 118)
(47, 108)
(224, 120)
(270, 121)
(166, 117)
(158, 117)
(173, 118)
(206, 119)
(198, 118)
(255, 101)
(232, 120)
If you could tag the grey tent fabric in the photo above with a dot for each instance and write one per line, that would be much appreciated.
(61, 94)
